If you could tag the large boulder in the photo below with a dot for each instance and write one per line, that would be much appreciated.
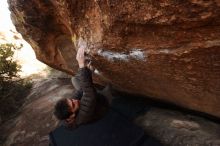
(166, 49)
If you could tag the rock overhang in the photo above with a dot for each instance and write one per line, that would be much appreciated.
(169, 50)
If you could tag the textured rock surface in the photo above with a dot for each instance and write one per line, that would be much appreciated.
(166, 49)
(177, 129)
(36, 120)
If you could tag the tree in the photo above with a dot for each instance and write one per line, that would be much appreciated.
(8, 67)
(13, 89)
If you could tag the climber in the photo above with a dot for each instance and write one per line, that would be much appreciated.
(86, 105)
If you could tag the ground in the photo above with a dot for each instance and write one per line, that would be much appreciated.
(171, 127)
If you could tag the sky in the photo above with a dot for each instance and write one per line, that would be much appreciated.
(5, 16)
(25, 56)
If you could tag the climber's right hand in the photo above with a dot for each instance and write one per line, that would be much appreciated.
(80, 57)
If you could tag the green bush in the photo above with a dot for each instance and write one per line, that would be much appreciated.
(8, 67)
(13, 89)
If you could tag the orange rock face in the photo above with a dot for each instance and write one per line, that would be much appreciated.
(165, 49)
